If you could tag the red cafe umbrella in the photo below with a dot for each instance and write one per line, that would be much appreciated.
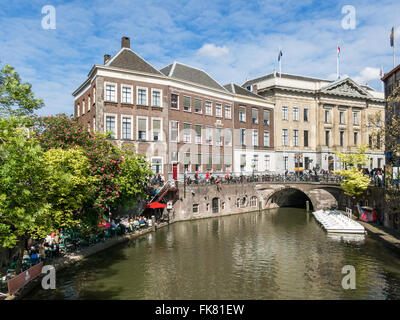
(155, 205)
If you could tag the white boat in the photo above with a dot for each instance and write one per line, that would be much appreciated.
(334, 221)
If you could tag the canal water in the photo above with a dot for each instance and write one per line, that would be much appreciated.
(275, 254)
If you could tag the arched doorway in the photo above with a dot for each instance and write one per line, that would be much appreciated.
(215, 205)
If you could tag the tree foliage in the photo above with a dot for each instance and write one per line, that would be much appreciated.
(354, 182)
(16, 98)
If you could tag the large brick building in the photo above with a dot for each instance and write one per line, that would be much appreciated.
(177, 115)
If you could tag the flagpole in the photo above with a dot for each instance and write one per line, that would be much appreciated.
(392, 36)
(337, 62)
(280, 63)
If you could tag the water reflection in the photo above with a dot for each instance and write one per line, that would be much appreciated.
(275, 254)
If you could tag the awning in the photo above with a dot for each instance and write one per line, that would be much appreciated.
(155, 205)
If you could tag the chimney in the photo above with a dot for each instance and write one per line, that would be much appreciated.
(125, 42)
(106, 58)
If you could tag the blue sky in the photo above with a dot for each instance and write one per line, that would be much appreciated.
(231, 40)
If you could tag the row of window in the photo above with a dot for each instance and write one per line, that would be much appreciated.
(285, 138)
(254, 115)
(127, 127)
(255, 163)
(285, 114)
(89, 104)
(197, 162)
(142, 95)
(197, 131)
(342, 117)
(254, 137)
(197, 105)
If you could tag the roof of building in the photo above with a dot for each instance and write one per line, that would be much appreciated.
(187, 73)
(284, 75)
(387, 75)
(127, 59)
(234, 88)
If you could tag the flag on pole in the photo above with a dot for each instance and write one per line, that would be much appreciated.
(280, 55)
(338, 50)
(392, 38)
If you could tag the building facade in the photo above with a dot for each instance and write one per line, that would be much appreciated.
(178, 116)
(316, 117)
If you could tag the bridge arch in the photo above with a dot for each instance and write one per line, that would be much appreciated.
(292, 196)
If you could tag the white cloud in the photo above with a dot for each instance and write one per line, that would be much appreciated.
(210, 50)
(367, 74)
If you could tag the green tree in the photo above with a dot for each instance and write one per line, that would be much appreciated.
(132, 181)
(22, 171)
(354, 182)
(16, 98)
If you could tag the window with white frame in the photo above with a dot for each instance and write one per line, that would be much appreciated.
(83, 107)
(197, 129)
(228, 137)
(126, 128)
(266, 138)
(198, 161)
(186, 103)
(254, 136)
(94, 95)
(242, 134)
(284, 137)
(218, 110)
(197, 105)
(209, 135)
(174, 101)
(327, 116)
(110, 92)
(286, 162)
(94, 124)
(174, 129)
(267, 161)
(142, 128)
(254, 115)
(186, 161)
(174, 156)
(341, 117)
(156, 165)
(242, 114)
(266, 117)
(156, 98)
(208, 106)
(228, 112)
(295, 113)
(218, 135)
(88, 107)
(218, 162)
(305, 115)
(110, 125)
(186, 132)
(255, 162)
(285, 113)
(296, 138)
(126, 94)
(78, 110)
(209, 161)
(242, 161)
(141, 96)
(355, 118)
(156, 129)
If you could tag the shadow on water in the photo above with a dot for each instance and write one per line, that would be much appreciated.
(71, 282)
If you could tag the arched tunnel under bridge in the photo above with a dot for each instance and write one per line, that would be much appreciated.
(289, 197)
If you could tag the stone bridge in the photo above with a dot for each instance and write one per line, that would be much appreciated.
(208, 200)
(292, 194)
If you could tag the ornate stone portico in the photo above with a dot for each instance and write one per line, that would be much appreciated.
(316, 117)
